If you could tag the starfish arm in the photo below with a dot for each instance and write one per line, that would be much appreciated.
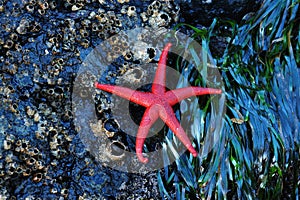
(177, 95)
(158, 86)
(149, 117)
(170, 119)
(141, 98)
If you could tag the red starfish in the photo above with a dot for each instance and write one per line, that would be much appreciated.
(158, 103)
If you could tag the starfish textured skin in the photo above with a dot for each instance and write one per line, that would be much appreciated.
(158, 103)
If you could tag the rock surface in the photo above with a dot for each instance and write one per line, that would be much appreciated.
(203, 12)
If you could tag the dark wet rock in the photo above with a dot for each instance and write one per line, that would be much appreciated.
(203, 12)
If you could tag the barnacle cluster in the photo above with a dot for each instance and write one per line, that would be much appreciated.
(160, 14)
(118, 47)
(35, 131)
(108, 126)
(42, 45)
(21, 160)
(133, 75)
(129, 51)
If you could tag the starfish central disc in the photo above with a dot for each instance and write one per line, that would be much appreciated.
(158, 104)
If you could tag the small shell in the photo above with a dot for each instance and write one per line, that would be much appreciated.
(110, 127)
(53, 190)
(30, 112)
(85, 43)
(37, 177)
(41, 11)
(8, 44)
(64, 192)
(13, 36)
(30, 161)
(26, 172)
(33, 151)
(6, 145)
(77, 7)
(36, 117)
(131, 11)
(52, 4)
(84, 33)
(102, 18)
(33, 2)
(19, 170)
(39, 165)
(11, 167)
(115, 150)
(44, 5)
(30, 8)
(2, 173)
(9, 158)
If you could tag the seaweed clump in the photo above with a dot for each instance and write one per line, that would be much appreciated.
(258, 152)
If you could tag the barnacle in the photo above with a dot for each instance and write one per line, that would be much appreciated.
(8, 44)
(110, 127)
(41, 11)
(11, 167)
(64, 192)
(52, 4)
(30, 161)
(13, 36)
(84, 33)
(37, 177)
(26, 172)
(6, 144)
(131, 11)
(77, 6)
(115, 150)
(43, 5)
